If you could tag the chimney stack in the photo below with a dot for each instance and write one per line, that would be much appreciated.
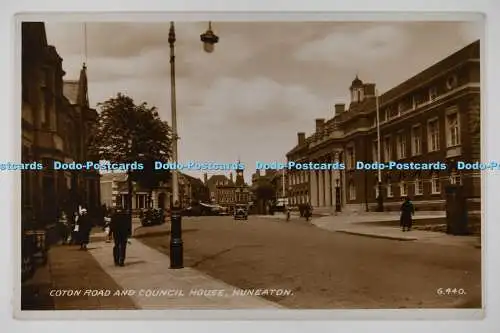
(339, 108)
(231, 176)
(369, 89)
(320, 122)
(205, 178)
(302, 138)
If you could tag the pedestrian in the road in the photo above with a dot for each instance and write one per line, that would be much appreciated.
(407, 212)
(84, 228)
(121, 228)
(287, 210)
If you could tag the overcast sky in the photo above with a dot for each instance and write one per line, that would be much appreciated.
(264, 82)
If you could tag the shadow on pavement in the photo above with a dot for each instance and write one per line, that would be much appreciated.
(136, 262)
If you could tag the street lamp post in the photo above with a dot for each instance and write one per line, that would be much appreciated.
(380, 198)
(130, 190)
(337, 196)
(209, 39)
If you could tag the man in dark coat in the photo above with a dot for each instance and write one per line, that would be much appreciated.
(407, 211)
(121, 228)
(85, 225)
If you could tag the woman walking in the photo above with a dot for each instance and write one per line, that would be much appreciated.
(407, 211)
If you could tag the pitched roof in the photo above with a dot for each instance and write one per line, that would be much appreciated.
(215, 178)
(193, 180)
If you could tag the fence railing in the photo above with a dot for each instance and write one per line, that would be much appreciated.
(34, 249)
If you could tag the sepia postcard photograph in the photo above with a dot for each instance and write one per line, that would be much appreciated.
(236, 165)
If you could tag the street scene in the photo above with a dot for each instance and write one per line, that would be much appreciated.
(189, 165)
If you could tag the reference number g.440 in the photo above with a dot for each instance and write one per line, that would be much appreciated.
(451, 291)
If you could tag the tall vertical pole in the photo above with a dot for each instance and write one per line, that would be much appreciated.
(380, 202)
(283, 184)
(176, 243)
(85, 41)
(173, 106)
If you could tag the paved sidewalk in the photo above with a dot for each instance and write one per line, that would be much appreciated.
(69, 270)
(155, 286)
(360, 228)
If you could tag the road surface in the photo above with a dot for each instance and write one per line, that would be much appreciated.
(328, 270)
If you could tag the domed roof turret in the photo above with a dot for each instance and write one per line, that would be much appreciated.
(356, 83)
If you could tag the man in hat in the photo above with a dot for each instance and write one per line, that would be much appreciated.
(121, 228)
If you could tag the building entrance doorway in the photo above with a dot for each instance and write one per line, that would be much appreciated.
(161, 201)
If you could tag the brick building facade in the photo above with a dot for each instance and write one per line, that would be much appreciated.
(228, 192)
(433, 116)
(56, 121)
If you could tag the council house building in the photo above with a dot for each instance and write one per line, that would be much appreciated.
(433, 116)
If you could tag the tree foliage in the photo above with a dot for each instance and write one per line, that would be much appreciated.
(127, 133)
(264, 190)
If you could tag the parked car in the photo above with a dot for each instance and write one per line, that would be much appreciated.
(241, 213)
(192, 211)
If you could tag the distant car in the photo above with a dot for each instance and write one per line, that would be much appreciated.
(223, 211)
(241, 213)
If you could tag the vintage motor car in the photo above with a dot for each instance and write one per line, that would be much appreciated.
(240, 213)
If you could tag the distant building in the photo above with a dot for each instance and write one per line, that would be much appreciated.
(215, 181)
(278, 180)
(227, 192)
(192, 190)
(433, 116)
(269, 178)
(56, 121)
(114, 192)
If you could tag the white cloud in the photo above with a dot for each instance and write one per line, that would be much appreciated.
(256, 119)
(352, 50)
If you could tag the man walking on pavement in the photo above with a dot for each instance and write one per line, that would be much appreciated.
(121, 228)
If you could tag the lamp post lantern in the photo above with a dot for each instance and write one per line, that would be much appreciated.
(209, 39)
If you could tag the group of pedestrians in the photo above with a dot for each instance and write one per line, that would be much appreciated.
(75, 230)
(305, 210)
(406, 218)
